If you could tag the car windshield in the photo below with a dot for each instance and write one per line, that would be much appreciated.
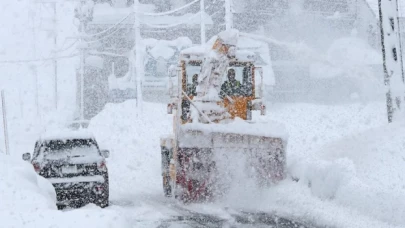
(240, 85)
(56, 149)
(242, 75)
(192, 70)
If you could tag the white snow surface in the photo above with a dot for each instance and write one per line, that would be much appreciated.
(350, 57)
(346, 152)
(123, 83)
(21, 188)
(179, 43)
(161, 50)
(351, 157)
(350, 51)
(28, 200)
(134, 142)
(247, 50)
(239, 126)
(63, 134)
(230, 37)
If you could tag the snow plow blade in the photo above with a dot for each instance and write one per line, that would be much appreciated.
(204, 159)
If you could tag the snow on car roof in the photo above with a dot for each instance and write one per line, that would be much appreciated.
(66, 134)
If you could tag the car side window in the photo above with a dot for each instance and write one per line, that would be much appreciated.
(36, 150)
(94, 142)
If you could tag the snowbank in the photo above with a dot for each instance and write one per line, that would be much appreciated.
(353, 51)
(350, 164)
(349, 57)
(348, 175)
(28, 200)
(365, 172)
(21, 189)
(134, 143)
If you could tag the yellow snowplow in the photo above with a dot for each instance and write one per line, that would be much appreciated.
(213, 126)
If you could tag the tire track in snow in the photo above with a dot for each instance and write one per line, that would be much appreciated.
(184, 217)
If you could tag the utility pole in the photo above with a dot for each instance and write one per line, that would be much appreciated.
(228, 15)
(35, 72)
(138, 56)
(83, 13)
(392, 59)
(202, 11)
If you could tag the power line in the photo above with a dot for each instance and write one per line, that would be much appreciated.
(104, 31)
(37, 60)
(65, 49)
(143, 13)
(170, 25)
(106, 53)
(169, 12)
(103, 37)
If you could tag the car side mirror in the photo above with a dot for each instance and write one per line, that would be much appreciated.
(26, 156)
(259, 89)
(105, 153)
(169, 109)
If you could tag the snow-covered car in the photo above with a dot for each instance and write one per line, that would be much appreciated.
(74, 164)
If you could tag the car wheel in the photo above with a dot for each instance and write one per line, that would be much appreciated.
(103, 199)
(167, 189)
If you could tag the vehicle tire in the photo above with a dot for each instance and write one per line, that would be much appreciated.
(167, 189)
(103, 200)
(249, 111)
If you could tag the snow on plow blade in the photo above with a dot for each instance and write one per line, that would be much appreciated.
(209, 160)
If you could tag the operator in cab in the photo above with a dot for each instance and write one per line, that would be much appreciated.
(192, 88)
(231, 87)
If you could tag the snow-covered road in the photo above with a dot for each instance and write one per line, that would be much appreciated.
(136, 189)
(180, 216)
(135, 179)
(342, 155)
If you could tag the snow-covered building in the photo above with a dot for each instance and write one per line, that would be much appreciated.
(373, 4)
(110, 32)
(318, 25)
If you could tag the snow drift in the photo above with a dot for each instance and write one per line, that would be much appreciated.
(28, 200)
(365, 172)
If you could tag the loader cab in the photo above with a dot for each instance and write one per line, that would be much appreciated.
(239, 104)
(243, 72)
